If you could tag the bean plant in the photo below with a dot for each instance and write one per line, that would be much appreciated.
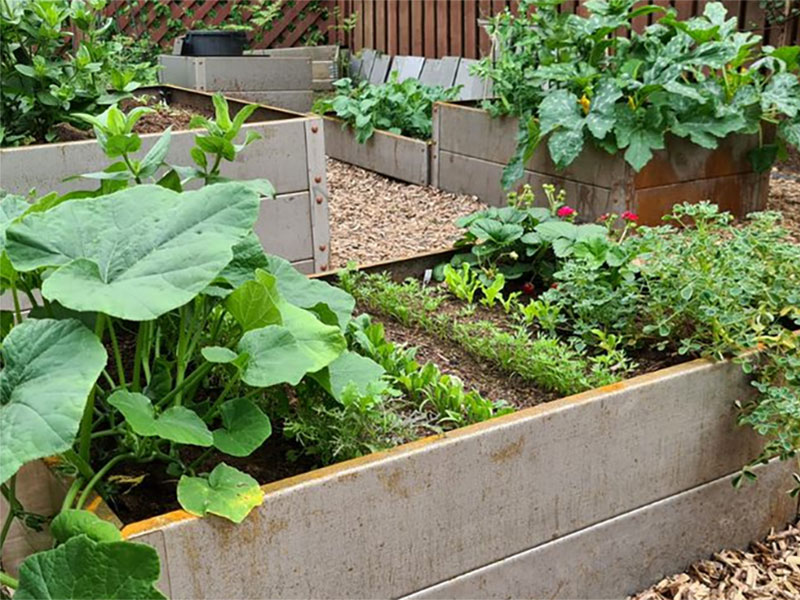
(572, 80)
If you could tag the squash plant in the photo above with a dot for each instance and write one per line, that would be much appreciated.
(160, 326)
(573, 80)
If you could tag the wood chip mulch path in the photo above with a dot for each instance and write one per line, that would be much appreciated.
(768, 570)
(784, 196)
(374, 218)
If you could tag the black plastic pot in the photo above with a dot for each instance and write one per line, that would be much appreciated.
(213, 43)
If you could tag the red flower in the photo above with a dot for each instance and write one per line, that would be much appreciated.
(603, 218)
(554, 286)
(527, 288)
(630, 216)
(566, 211)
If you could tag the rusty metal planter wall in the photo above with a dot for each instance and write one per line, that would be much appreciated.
(471, 149)
(290, 154)
(397, 156)
(594, 495)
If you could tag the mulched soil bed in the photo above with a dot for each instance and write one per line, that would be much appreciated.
(784, 196)
(768, 570)
(374, 218)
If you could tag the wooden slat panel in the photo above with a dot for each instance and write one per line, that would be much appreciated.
(484, 42)
(430, 28)
(368, 6)
(392, 41)
(404, 33)
(470, 29)
(380, 25)
(442, 29)
(417, 29)
(456, 28)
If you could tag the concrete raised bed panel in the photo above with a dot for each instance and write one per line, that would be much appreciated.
(287, 80)
(290, 154)
(397, 156)
(472, 149)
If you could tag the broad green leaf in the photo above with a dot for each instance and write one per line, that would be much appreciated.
(155, 157)
(11, 207)
(791, 132)
(500, 233)
(71, 522)
(763, 157)
(565, 145)
(284, 354)
(227, 492)
(135, 254)
(559, 109)
(301, 291)
(84, 569)
(782, 94)
(248, 255)
(176, 424)
(601, 117)
(218, 354)
(551, 230)
(221, 114)
(350, 369)
(254, 304)
(49, 368)
(244, 428)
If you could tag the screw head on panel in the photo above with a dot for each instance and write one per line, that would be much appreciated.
(319, 199)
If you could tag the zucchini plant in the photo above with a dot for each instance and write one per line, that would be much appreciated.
(161, 325)
(572, 80)
(403, 108)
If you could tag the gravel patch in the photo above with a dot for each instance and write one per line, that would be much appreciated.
(784, 196)
(374, 218)
(768, 570)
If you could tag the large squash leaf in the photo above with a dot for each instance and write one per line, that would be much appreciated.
(49, 368)
(350, 369)
(244, 427)
(226, 492)
(138, 253)
(72, 522)
(176, 424)
(307, 293)
(84, 569)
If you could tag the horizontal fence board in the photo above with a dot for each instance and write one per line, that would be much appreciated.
(298, 101)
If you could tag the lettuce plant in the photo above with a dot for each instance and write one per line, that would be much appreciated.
(572, 80)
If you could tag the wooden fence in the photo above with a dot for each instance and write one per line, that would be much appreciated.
(436, 28)
(431, 28)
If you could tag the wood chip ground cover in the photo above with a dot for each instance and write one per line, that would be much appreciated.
(767, 570)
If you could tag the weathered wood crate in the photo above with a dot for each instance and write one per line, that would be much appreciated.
(283, 82)
(290, 154)
(595, 495)
(470, 150)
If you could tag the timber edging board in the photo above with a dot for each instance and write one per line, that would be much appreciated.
(471, 149)
(290, 154)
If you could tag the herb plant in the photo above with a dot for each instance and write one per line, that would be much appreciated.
(573, 80)
(403, 108)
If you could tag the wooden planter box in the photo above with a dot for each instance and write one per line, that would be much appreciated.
(471, 149)
(397, 156)
(290, 154)
(595, 495)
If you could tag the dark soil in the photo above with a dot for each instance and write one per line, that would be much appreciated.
(176, 115)
(477, 374)
(156, 493)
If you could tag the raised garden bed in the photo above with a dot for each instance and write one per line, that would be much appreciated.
(471, 149)
(593, 495)
(287, 78)
(290, 154)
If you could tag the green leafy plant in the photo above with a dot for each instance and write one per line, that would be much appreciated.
(572, 80)
(44, 81)
(463, 283)
(521, 239)
(403, 108)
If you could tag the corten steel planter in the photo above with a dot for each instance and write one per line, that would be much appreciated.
(290, 154)
(397, 156)
(471, 149)
(596, 495)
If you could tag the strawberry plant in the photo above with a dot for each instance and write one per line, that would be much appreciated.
(403, 108)
(573, 80)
